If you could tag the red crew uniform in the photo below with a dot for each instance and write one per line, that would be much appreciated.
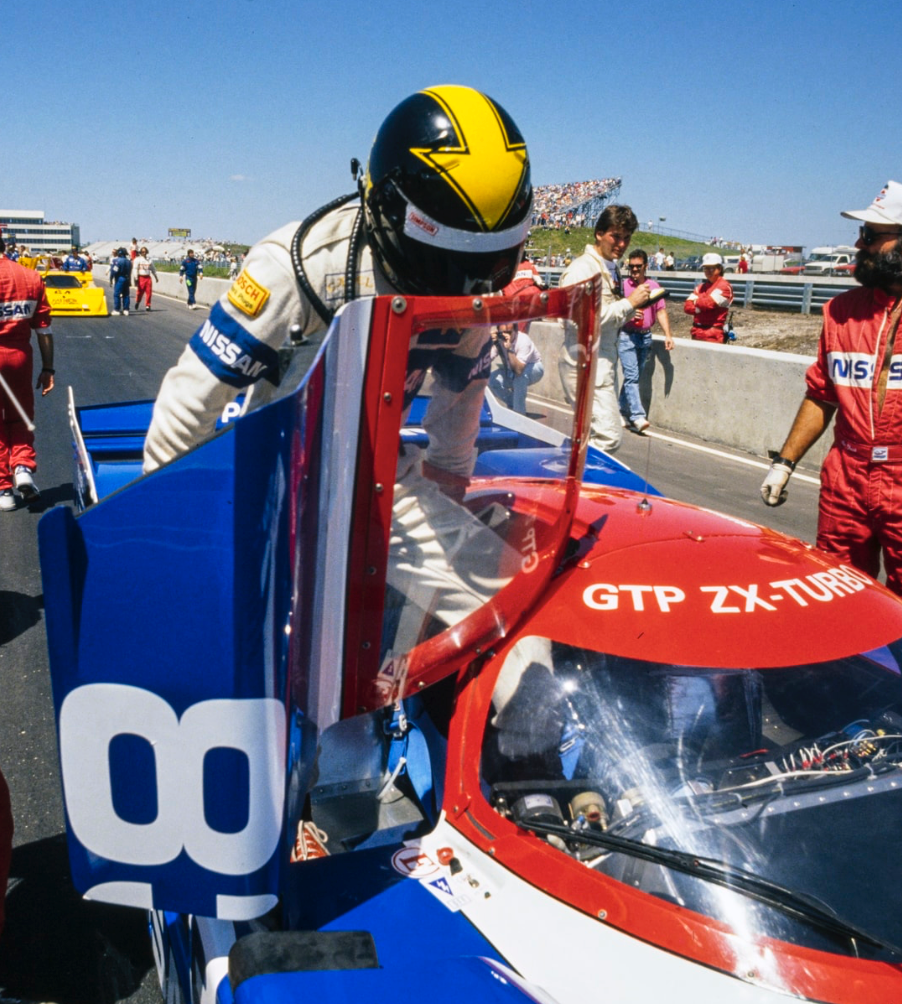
(861, 480)
(23, 309)
(709, 303)
(527, 278)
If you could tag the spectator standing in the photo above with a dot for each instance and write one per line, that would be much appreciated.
(634, 343)
(710, 302)
(233, 267)
(660, 258)
(613, 232)
(120, 280)
(669, 262)
(145, 276)
(23, 289)
(743, 265)
(856, 377)
(520, 366)
(191, 272)
(133, 249)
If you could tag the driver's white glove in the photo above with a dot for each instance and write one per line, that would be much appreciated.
(773, 488)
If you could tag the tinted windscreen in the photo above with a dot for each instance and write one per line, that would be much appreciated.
(791, 775)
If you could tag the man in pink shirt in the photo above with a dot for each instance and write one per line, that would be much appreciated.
(634, 342)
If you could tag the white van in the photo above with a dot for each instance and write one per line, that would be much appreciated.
(822, 261)
(768, 262)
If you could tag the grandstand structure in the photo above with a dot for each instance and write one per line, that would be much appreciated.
(172, 250)
(576, 203)
(555, 207)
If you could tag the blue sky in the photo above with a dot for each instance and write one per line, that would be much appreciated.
(755, 121)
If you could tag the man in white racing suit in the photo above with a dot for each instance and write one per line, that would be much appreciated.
(413, 233)
(237, 346)
(613, 231)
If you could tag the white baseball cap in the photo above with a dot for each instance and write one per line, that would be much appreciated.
(711, 259)
(886, 207)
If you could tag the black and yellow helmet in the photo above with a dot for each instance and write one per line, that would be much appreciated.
(447, 194)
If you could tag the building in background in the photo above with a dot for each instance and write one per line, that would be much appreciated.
(28, 227)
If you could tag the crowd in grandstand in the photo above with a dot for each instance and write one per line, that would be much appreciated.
(172, 250)
(555, 207)
(558, 206)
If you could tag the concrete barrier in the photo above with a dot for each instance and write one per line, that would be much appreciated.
(208, 290)
(726, 394)
(733, 396)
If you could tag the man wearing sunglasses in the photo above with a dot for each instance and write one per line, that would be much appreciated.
(634, 343)
(858, 376)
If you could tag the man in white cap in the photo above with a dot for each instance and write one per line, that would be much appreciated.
(709, 302)
(858, 376)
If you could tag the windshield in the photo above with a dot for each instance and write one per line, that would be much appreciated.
(486, 469)
(820, 257)
(62, 282)
(791, 775)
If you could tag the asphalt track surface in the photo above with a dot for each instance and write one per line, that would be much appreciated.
(56, 947)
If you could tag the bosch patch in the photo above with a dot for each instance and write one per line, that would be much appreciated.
(247, 295)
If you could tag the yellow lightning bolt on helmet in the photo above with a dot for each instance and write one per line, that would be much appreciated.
(447, 195)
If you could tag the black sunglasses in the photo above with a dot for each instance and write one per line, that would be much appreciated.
(867, 236)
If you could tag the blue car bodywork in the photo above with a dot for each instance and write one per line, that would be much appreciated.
(193, 650)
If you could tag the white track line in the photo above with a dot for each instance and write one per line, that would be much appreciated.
(749, 461)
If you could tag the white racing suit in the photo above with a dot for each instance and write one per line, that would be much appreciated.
(443, 562)
(606, 432)
(237, 346)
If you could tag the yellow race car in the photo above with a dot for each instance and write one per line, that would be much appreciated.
(41, 263)
(74, 293)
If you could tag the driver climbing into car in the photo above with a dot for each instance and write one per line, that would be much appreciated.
(411, 232)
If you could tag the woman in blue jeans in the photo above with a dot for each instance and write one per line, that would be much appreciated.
(634, 343)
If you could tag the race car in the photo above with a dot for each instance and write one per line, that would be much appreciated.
(41, 262)
(74, 294)
(660, 760)
(68, 293)
(847, 269)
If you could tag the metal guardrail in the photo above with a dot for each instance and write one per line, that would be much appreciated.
(801, 294)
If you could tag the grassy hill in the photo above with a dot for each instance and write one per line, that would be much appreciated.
(559, 242)
(541, 242)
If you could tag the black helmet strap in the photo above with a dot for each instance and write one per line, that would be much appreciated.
(354, 249)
